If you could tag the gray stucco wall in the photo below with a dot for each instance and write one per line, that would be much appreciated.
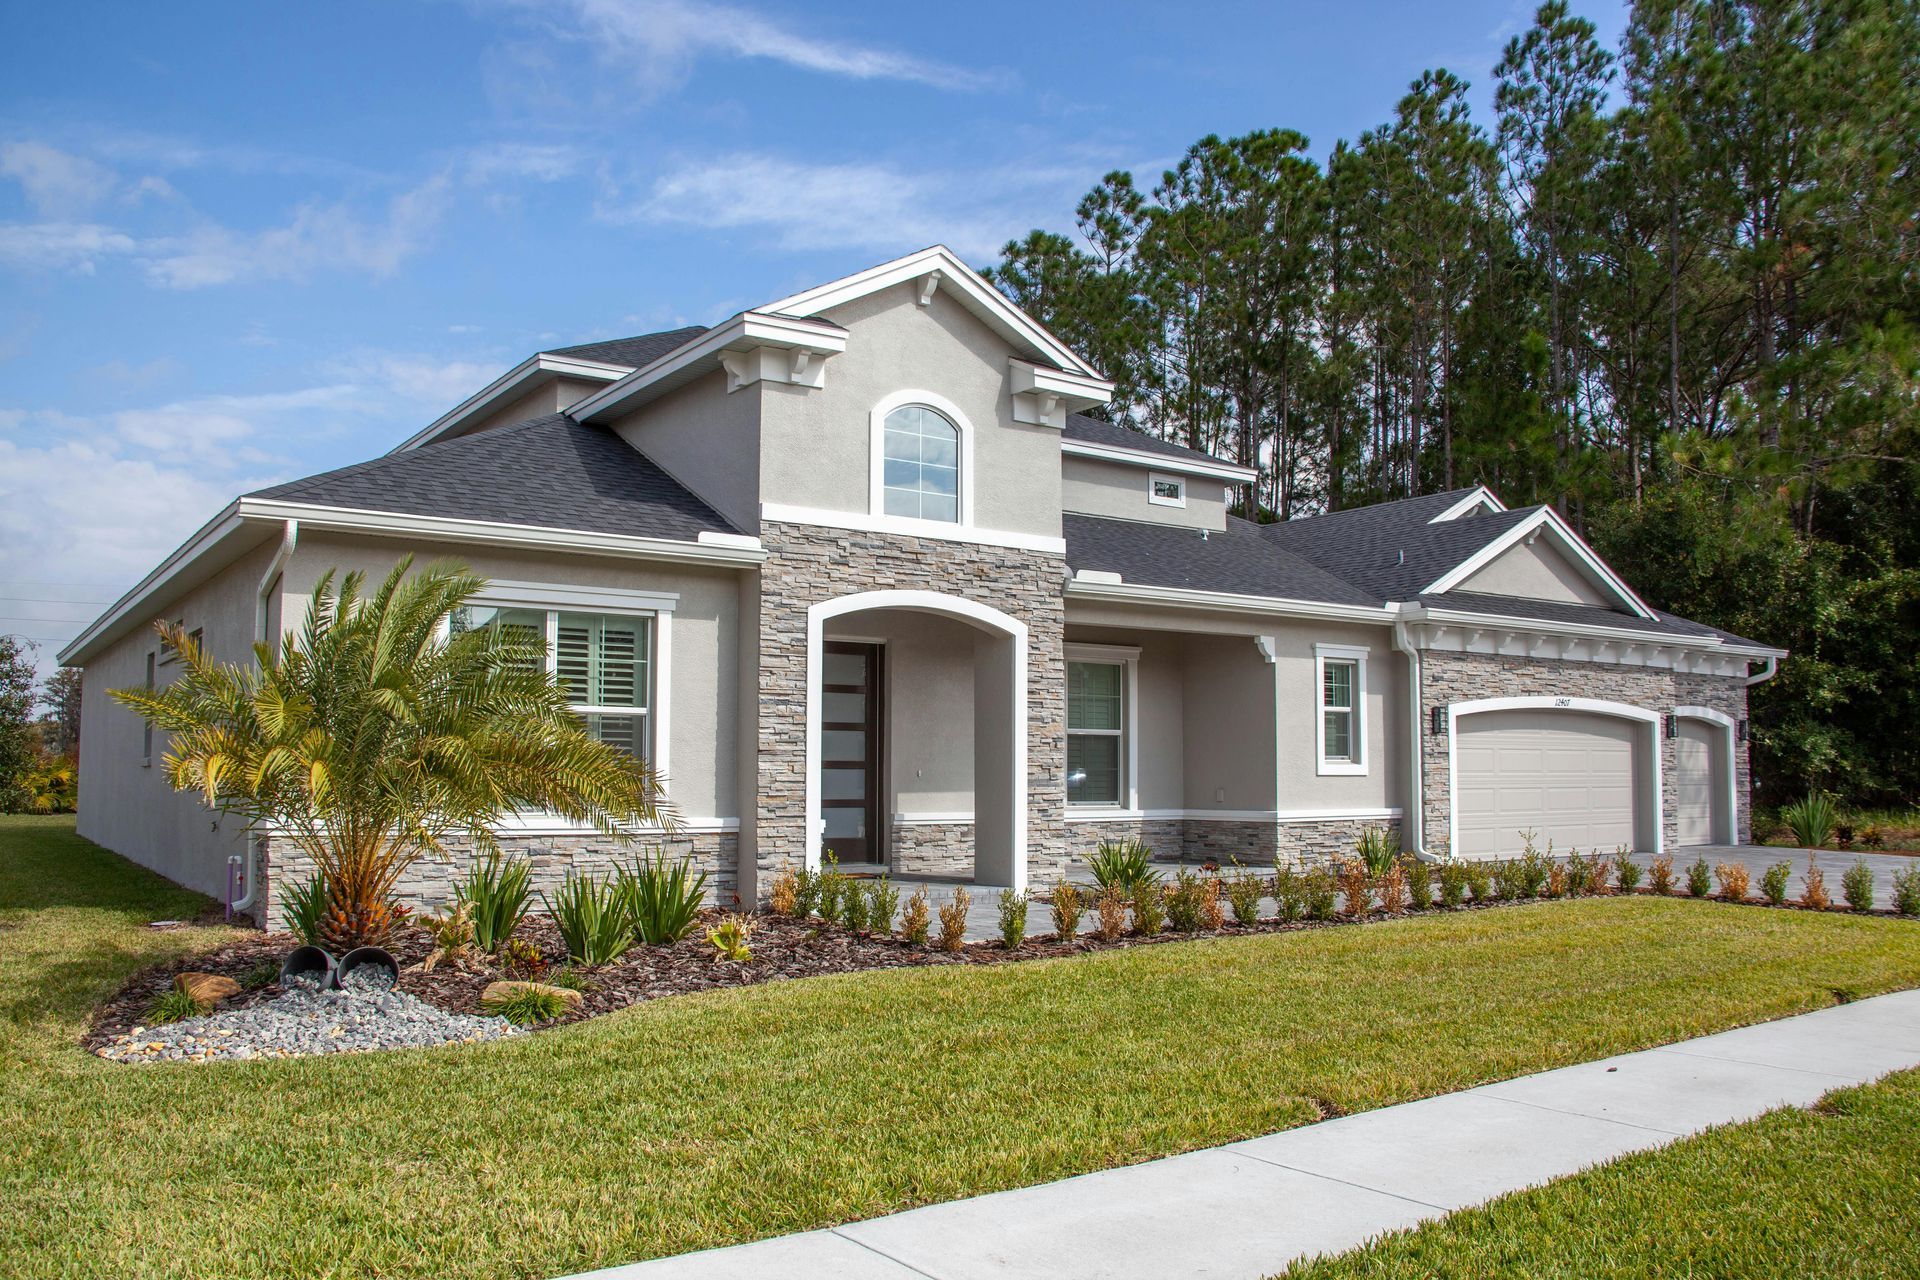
(1096, 487)
(551, 397)
(1535, 572)
(1297, 702)
(707, 438)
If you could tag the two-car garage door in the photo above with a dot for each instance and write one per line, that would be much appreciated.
(1568, 776)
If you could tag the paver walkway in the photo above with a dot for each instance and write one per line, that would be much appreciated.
(1248, 1208)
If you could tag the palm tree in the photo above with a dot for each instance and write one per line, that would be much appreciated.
(373, 735)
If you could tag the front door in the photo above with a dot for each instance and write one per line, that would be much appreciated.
(851, 779)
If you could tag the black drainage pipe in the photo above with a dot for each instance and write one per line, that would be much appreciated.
(310, 963)
(372, 959)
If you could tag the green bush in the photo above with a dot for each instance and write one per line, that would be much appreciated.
(1013, 918)
(915, 923)
(662, 899)
(1123, 864)
(1244, 891)
(1575, 869)
(833, 888)
(729, 939)
(1066, 905)
(1773, 882)
(1627, 871)
(526, 1006)
(953, 921)
(1811, 820)
(1453, 883)
(570, 978)
(1906, 891)
(263, 974)
(883, 904)
(1507, 879)
(1419, 884)
(1479, 876)
(174, 1006)
(1700, 878)
(593, 919)
(497, 893)
(1320, 891)
(1534, 869)
(1856, 886)
(806, 893)
(1289, 891)
(854, 905)
(1378, 849)
(1149, 909)
(1184, 902)
(306, 904)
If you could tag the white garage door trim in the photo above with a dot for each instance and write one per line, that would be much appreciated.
(1731, 827)
(1650, 794)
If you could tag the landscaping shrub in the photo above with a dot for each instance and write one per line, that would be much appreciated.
(1575, 871)
(1507, 879)
(1453, 883)
(1289, 891)
(571, 979)
(1066, 908)
(1699, 878)
(306, 904)
(883, 904)
(953, 920)
(833, 887)
(1356, 887)
(1815, 895)
(784, 898)
(522, 955)
(913, 925)
(1419, 884)
(593, 919)
(1123, 864)
(1857, 885)
(1773, 882)
(1479, 878)
(1557, 878)
(1318, 888)
(526, 1006)
(730, 937)
(263, 974)
(1378, 850)
(806, 893)
(1110, 913)
(451, 934)
(1149, 903)
(1843, 832)
(1013, 918)
(853, 906)
(1244, 891)
(1627, 872)
(173, 1006)
(1660, 875)
(1599, 871)
(1213, 907)
(1183, 902)
(1390, 886)
(1873, 836)
(1533, 867)
(1811, 820)
(496, 892)
(1733, 878)
(662, 899)
(1906, 891)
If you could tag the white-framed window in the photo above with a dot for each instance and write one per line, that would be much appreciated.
(1101, 701)
(922, 462)
(1165, 490)
(1340, 725)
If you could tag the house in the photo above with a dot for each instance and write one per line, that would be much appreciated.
(858, 574)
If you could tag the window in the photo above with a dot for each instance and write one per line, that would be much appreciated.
(604, 660)
(1166, 491)
(1100, 723)
(920, 452)
(1341, 672)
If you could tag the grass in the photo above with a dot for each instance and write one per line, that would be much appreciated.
(1823, 1192)
(732, 1115)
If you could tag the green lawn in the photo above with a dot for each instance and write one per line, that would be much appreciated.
(1830, 1192)
(733, 1115)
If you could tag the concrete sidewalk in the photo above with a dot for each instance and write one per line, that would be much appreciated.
(1249, 1208)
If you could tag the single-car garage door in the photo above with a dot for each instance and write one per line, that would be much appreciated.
(1700, 782)
(1567, 776)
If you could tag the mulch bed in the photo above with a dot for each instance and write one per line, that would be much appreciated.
(783, 949)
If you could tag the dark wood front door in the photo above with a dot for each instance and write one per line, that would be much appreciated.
(851, 781)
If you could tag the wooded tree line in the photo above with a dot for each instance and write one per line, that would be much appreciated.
(1669, 288)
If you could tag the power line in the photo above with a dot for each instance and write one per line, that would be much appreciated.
(49, 600)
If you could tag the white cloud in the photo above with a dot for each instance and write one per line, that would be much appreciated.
(538, 162)
(425, 383)
(59, 184)
(657, 42)
(850, 206)
(61, 246)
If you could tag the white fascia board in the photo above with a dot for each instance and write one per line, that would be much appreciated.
(515, 381)
(491, 533)
(747, 330)
(1078, 390)
(966, 284)
(1461, 618)
(185, 556)
(1482, 498)
(1098, 588)
(1545, 520)
(1227, 472)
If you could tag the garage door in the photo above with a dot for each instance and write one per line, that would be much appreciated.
(1568, 776)
(1699, 785)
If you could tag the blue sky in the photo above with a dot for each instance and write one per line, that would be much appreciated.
(245, 242)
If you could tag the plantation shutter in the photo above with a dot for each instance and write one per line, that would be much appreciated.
(604, 663)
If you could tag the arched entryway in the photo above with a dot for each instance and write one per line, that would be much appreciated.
(1704, 796)
(998, 681)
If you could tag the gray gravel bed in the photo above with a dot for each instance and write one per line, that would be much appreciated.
(367, 1015)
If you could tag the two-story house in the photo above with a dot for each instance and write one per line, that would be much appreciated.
(856, 572)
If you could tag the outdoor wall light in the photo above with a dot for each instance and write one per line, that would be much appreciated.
(1673, 726)
(1439, 722)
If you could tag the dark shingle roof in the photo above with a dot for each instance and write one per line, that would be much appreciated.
(633, 352)
(1236, 560)
(1393, 556)
(1093, 431)
(551, 471)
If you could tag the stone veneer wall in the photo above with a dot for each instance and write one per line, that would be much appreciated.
(808, 565)
(943, 849)
(1446, 678)
(428, 883)
(1254, 843)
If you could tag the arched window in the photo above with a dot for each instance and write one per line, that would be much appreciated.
(920, 453)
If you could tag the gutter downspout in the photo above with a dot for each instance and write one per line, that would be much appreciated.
(1767, 672)
(247, 866)
(1416, 817)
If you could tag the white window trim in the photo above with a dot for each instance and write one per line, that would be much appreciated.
(1156, 478)
(876, 459)
(1357, 655)
(1127, 656)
